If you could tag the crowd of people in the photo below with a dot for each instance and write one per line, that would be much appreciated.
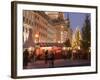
(32, 56)
(49, 56)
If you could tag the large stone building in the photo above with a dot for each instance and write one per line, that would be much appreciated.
(45, 27)
(60, 24)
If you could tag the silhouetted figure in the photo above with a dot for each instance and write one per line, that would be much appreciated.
(33, 56)
(64, 54)
(25, 58)
(79, 54)
(69, 55)
(51, 59)
(46, 56)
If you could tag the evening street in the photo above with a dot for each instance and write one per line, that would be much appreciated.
(58, 63)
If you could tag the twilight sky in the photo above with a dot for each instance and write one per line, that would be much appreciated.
(76, 19)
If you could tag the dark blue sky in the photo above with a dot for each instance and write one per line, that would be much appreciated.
(76, 19)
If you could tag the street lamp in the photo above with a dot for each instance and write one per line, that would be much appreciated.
(37, 37)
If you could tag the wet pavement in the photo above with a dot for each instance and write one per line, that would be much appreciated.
(57, 63)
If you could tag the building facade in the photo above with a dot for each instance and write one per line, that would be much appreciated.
(46, 27)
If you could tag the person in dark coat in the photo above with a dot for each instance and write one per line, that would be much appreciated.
(46, 56)
(25, 58)
(34, 56)
(51, 59)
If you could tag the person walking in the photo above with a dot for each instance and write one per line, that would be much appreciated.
(25, 58)
(46, 56)
(51, 59)
(34, 56)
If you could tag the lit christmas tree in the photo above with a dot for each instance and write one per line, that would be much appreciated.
(76, 40)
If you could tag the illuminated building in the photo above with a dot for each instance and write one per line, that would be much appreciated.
(46, 27)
